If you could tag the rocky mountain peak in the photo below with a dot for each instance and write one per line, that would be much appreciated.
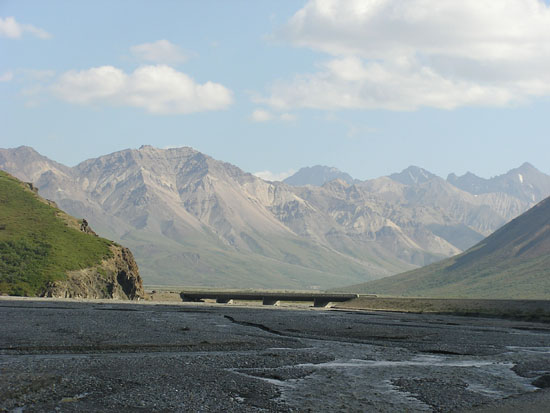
(25, 149)
(29, 164)
(413, 175)
(527, 170)
(526, 183)
(468, 182)
(317, 175)
(526, 166)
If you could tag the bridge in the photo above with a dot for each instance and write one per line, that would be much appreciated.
(267, 298)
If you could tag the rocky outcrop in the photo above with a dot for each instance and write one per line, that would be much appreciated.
(85, 227)
(116, 277)
(128, 279)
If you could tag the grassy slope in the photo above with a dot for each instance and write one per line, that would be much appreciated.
(514, 262)
(483, 280)
(39, 243)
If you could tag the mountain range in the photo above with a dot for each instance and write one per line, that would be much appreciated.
(526, 183)
(513, 262)
(194, 220)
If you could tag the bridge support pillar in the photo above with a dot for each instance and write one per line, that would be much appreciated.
(270, 301)
(185, 298)
(320, 302)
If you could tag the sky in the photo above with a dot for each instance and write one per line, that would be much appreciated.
(367, 86)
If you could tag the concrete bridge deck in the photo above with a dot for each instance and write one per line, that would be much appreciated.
(267, 298)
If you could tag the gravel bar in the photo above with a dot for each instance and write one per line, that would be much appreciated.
(74, 356)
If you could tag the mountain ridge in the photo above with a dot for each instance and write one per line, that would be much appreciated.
(412, 175)
(525, 182)
(192, 219)
(210, 206)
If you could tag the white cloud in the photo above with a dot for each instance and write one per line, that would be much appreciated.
(402, 55)
(6, 77)
(380, 29)
(271, 176)
(161, 51)
(158, 89)
(262, 115)
(9, 27)
(348, 83)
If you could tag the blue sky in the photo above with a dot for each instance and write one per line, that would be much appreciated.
(370, 87)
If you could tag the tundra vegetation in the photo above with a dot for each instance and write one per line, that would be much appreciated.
(39, 243)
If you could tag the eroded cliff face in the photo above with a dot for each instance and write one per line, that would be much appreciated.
(116, 277)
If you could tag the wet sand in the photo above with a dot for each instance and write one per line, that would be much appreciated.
(74, 356)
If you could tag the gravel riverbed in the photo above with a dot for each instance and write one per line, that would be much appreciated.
(72, 356)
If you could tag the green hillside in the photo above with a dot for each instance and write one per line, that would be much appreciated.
(513, 262)
(38, 242)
